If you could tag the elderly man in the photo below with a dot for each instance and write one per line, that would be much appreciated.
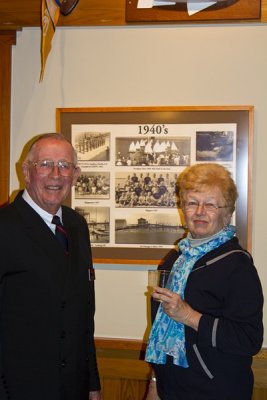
(47, 303)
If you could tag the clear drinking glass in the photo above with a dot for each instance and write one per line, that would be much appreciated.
(158, 277)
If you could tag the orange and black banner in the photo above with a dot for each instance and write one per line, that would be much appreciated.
(50, 16)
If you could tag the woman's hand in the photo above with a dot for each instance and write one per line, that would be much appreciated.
(176, 308)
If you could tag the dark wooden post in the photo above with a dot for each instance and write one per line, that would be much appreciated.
(7, 39)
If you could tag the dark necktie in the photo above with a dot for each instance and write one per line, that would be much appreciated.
(60, 233)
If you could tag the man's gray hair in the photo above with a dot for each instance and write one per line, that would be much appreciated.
(52, 135)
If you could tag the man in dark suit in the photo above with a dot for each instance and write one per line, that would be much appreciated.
(47, 301)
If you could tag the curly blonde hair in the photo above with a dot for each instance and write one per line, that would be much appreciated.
(205, 176)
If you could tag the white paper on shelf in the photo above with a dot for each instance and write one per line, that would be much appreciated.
(192, 6)
(153, 3)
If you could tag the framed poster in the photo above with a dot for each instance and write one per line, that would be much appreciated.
(130, 159)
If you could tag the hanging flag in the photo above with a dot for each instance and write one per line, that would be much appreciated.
(50, 16)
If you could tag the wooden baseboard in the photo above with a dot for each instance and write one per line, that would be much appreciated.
(140, 345)
(124, 359)
(120, 344)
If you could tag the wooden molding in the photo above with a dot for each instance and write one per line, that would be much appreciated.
(16, 14)
(7, 39)
(120, 344)
(140, 345)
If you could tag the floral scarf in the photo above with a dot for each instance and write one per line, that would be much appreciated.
(167, 337)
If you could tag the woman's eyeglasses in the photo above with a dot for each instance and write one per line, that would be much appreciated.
(193, 205)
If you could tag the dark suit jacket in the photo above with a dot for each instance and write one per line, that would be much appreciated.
(47, 306)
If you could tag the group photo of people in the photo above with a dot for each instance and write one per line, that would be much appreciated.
(93, 185)
(145, 189)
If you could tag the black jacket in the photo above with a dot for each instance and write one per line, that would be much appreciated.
(47, 306)
(225, 288)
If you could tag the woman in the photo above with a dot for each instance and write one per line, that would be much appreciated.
(209, 322)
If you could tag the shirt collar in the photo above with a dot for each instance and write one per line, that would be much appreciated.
(199, 242)
(47, 217)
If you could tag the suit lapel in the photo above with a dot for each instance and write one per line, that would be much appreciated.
(40, 234)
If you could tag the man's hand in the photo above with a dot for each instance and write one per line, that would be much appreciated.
(152, 393)
(95, 396)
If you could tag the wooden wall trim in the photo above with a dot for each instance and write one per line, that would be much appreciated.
(140, 345)
(7, 39)
(120, 344)
(17, 14)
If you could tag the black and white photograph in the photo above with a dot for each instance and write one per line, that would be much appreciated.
(98, 220)
(149, 228)
(127, 188)
(138, 189)
(134, 151)
(93, 185)
(92, 146)
(214, 146)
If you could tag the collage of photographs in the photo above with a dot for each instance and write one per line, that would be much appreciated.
(127, 187)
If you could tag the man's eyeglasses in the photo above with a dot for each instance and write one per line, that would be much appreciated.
(45, 167)
(193, 205)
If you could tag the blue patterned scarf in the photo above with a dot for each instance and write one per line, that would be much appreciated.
(167, 337)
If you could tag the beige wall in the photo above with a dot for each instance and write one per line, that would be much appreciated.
(143, 66)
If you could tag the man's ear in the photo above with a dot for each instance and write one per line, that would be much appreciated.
(76, 175)
(25, 171)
